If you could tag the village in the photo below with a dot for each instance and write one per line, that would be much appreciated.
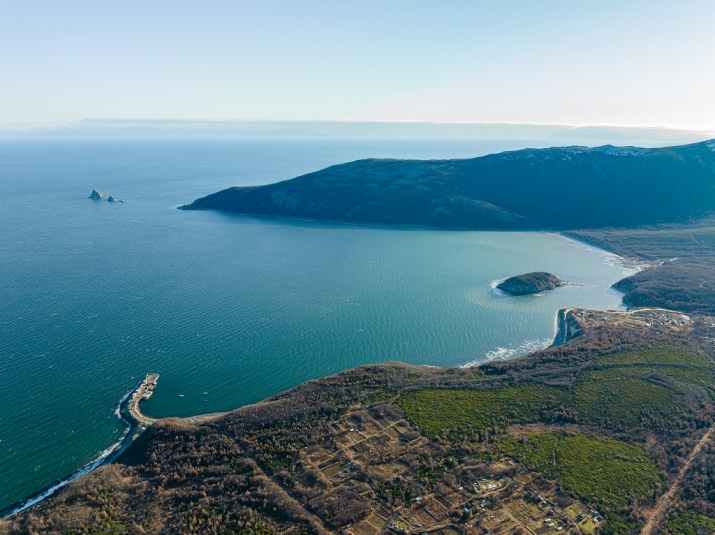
(493, 497)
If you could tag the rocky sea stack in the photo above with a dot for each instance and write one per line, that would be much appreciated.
(531, 283)
(96, 195)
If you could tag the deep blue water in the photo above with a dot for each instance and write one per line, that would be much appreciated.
(94, 295)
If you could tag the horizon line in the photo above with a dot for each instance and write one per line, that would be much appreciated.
(355, 121)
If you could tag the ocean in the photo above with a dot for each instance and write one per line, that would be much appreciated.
(94, 295)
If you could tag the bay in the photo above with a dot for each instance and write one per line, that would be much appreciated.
(94, 295)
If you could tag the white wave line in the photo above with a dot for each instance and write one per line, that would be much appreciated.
(86, 469)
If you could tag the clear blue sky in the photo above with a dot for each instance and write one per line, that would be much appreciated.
(573, 62)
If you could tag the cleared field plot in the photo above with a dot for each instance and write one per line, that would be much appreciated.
(447, 531)
(382, 422)
(402, 426)
(382, 512)
(505, 526)
(442, 500)
(526, 513)
(392, 432)
(456, 498)
(391, 470)
(421, 517)
(355, 436)
(393, 419)
(332, 471)
(436, 510)
(320, 456)
(575, 509)
(588, 525)
(364, 527)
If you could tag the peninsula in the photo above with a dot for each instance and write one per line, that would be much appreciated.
(562, 188)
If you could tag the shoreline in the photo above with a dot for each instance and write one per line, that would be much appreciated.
(106, 456)
(630, 262)
(564, 333)
(135, 423)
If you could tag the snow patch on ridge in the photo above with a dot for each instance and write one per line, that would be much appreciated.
(621, 151)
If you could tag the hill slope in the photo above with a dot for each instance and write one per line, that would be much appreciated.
(556, 188)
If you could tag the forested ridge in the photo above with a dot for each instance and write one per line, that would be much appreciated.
(556, 188)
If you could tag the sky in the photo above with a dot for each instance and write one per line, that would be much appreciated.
(556, 62)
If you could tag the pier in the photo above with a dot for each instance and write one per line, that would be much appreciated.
(143, 392)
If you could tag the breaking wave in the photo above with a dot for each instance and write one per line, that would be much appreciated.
(503, 353)
(86, 469)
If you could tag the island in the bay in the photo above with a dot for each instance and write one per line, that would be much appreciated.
(530, 283)
(609, 431)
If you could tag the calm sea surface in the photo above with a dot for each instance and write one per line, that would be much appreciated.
(94, 295)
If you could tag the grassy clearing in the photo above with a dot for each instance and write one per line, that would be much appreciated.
(656, 355)
(434, 411)
(378, 397)
(691, 523)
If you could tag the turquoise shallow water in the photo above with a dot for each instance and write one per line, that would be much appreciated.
(93, 295)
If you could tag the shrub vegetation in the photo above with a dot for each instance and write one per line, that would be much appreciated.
(689, 522)
(437, 410)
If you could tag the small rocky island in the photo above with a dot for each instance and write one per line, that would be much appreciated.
(531, 283)
(97, 195)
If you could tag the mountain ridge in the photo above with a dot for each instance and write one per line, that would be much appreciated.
(557, 188)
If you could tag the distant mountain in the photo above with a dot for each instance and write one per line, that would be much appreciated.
(591, 133)
(556, 188)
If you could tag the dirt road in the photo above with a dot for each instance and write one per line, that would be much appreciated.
(665, 500)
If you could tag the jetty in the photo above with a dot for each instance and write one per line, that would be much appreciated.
(143, 392)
